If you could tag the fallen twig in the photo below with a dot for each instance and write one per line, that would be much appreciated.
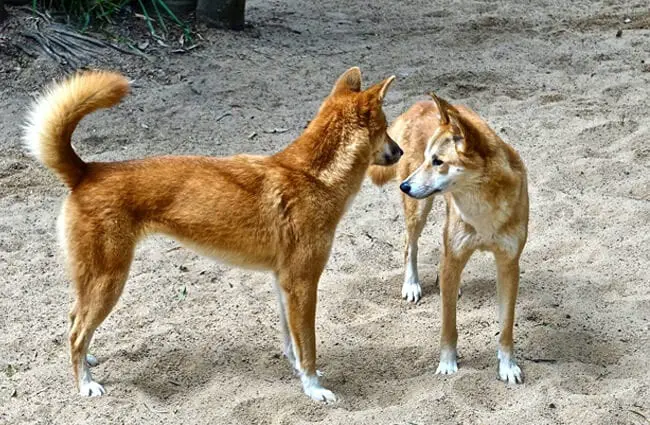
(73, 34)
(276, 130)
(41, 15)
(222, 116)
(151, 409)
(131, 51)
(185, 49)
(40, 391)
(540, 360)
(639, 414)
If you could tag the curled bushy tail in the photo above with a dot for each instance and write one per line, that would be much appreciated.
(55, 114)
(380, 175)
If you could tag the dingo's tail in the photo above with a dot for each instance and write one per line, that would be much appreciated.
(55, 114)
(381, 175)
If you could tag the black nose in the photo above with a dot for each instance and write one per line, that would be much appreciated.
(405, 187)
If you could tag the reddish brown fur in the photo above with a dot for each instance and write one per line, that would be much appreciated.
(278, 212)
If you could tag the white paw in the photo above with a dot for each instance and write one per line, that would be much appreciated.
(509, 372)
(91, 389)
(411, 291)
(321, 394)
(312, 387)
(447, 367)
(91, 360)
(448, 363)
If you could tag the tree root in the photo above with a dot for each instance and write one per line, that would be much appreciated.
(66, 46)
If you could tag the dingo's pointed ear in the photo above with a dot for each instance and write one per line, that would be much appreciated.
(350, 80)
(378, 91)
(460, 143)
(384, 87)
(443, 106)
(460, 140)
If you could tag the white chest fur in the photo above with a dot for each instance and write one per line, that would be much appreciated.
(486, 220)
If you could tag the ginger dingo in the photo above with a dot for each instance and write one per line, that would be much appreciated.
(276, 212)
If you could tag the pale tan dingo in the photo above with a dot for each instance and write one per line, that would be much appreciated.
(450, 150)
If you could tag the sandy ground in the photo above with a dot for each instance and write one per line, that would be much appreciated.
(550, 76)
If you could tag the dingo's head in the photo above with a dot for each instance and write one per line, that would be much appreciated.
(364, 108)
(450, 162)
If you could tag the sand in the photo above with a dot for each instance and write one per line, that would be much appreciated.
(196, 342)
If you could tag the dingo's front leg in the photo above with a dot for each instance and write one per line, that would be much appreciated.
(299, 292)
(415, 214)
(451, 268)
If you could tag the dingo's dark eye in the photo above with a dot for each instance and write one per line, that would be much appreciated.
(436, 161)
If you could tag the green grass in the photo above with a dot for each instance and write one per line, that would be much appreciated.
(86, 13)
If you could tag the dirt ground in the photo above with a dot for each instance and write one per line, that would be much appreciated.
(196, 342)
